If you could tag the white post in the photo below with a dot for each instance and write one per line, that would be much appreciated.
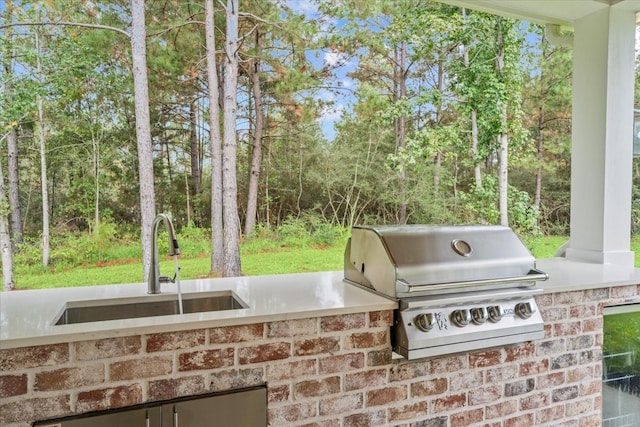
(602, 138)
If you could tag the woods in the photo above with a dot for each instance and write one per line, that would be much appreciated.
(257, 112)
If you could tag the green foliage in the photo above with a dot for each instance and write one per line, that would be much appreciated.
(621, 344)
(481, 206)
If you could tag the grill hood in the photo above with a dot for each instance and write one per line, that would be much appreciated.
(412, 260)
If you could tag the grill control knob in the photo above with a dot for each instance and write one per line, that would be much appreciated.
(495, 313)
(461, 317)
(524, 309)
(424, 322)
(479, 315)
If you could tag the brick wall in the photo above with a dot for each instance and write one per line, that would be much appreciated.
(330, 371)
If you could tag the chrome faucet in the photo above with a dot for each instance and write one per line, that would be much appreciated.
(154, 273)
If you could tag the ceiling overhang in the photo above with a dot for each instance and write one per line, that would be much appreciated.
(559, 12)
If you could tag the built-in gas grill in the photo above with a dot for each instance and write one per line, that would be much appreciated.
(458, 288)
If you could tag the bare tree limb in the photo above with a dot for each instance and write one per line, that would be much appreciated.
(65, 24)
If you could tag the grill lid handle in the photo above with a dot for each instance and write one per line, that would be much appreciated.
(528, 280)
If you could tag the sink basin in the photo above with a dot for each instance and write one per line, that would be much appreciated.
(146, 306)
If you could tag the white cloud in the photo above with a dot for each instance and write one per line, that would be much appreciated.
(333, 58)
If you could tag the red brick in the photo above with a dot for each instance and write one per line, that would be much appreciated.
(466, 418)
(592, 387)
(501, 409)
(548, 414)
(315, 388)
(408, 412)
(567, 328)
(367, 339)
(69, 378)
(554, 313)
(31, 357)
(591, 325)
(386, 395)
(342, 322)
(317, 346)
(579, 373)
(430, 387)
(449, 364)
(522, 420)
(579, 407)
(551, 380)
(141, 368)
(107, 348)
(408, 371)
(501, 373)
(264, 353)
(582, 311)
(13, 385)
(175, 340)
(341, 363)
(205, 359)
(482, 359)
(574, 297)
(360, 380)
(533, 401)
(240, 333)
(33, 409)
(565, 393)
(534, 367)
(289, 414)
(380, 319)
(482, 395)
(377, 418)
(341, 404)
(448, 403)
(597, 294)
(176, 387)
(379, 357)
(279, 393)
(594, 420)
(520, 351)
(465, 380)
(623, 291)
(292, 328)
(295, 369)
(236, 378)
(114, 397)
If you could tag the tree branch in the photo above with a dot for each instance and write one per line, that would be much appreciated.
(65, 24)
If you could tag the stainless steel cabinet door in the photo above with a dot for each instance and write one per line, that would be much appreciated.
(246, 408)
(144, 417)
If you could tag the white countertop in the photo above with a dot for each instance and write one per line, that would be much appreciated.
(27, 317)
(566, 275)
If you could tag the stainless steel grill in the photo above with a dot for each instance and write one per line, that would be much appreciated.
(458, 288)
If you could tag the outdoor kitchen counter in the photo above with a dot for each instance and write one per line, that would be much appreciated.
(27, 317)
(565, 275)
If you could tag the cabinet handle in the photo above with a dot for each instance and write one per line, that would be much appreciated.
(147, 420)
(175, 417)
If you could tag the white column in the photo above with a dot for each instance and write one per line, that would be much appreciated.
(602, 138)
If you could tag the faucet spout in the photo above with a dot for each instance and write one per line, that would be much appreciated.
(154, 273)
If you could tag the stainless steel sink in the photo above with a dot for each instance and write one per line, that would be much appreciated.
(147, 306)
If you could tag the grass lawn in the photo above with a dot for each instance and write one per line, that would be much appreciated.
(276, 261)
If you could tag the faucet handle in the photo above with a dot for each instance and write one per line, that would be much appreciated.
(166, 279)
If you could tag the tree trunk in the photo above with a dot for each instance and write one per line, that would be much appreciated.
(217, 249)
(42, 139)
(401, 124)
(194, 150)
(256, 158)
(14, 188)
(143, 131)
(5, 240)
(438, 161)
(229, 180)
(538, 193)
(503, 138)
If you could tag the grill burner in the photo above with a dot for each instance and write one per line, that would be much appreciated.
(458, 288)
